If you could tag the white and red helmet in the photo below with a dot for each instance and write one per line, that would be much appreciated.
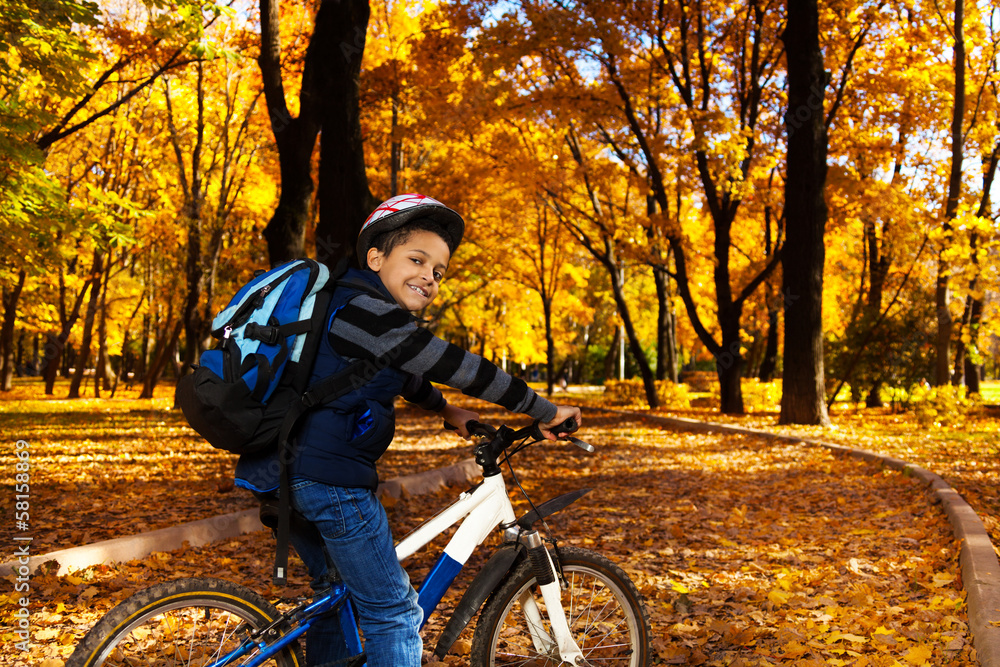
(401, 209)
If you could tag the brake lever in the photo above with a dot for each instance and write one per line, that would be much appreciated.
(582, 444)
(563, 431)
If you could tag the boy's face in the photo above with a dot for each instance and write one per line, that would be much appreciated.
(413, 270)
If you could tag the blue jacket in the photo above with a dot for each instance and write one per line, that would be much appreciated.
(337, 443)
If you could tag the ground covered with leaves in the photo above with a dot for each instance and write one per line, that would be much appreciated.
(749, 552)
(964, 451)
(137, 466)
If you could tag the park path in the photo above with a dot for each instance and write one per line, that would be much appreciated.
(749, 551)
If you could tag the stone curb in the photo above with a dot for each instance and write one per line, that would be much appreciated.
(978, 560)
(198, 533)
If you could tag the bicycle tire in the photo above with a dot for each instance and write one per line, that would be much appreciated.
(189, 622)
(607, 616)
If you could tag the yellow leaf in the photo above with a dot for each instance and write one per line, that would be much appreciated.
(778, 596)
(918, 655)
(462, 647)
(942, 579)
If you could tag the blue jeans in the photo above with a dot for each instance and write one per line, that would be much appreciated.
(355, 542)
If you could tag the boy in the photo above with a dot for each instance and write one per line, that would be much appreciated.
(405, 245)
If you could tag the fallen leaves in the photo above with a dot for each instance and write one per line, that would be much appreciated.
(748, 551)
(965, 454)
(136, 466)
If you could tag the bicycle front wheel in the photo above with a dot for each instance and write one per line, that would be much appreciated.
(183, 623)
(606, 614)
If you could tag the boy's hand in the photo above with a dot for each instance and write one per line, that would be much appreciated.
(563, 412)
(459, 417)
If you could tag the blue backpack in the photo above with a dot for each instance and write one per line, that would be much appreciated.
(240, 394)
(248, 393)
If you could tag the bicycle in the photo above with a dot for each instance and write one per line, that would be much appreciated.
(541, 605)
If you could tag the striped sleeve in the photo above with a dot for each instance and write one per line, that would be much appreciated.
(368, 328)
(419, 391)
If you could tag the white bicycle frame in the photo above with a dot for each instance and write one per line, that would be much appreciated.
(485, 507)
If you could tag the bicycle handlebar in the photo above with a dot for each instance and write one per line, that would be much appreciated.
(479, 428)
(487, 453)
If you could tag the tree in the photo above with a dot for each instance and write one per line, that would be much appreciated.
(69, 67)
(803, 391)
(942, 290)
(328, 102)
(977, 233)
(215, 146)
(648, 76)
(41, 65)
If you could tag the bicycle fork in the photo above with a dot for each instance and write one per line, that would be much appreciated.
(551, 590)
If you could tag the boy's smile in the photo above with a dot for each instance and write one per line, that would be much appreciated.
(413, 270)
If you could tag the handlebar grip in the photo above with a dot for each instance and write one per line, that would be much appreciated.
(479, 428)
(567, 426)
(473, 427)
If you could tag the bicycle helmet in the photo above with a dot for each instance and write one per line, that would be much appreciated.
(401, 209)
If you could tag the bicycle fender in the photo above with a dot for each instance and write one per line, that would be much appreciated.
(485, 582)
(550, 507)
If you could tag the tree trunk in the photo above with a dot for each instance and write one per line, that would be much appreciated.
(974, 302)
(769, 365)
(618, 289)
(143, 365)
(126, 339)
(966, 370)
(10, 298)
(102, 378)
(769, 361)
(295, 138)
(961, 356)
(609, 358)
(329, 100)
(942, 291)
(666, 327)
(972, 377)
(396, 149)
(160, 360)
(56, 343)
(192, 214)
(97, 272)
(344, 198)
(730, 390)
(550, 346)
(803, 391)
(729, 364)
(878, 270)
(874, 398)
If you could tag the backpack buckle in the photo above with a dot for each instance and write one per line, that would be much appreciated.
(265, 334)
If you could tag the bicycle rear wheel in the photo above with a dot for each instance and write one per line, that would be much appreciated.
(606, 614)
(188, 622)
